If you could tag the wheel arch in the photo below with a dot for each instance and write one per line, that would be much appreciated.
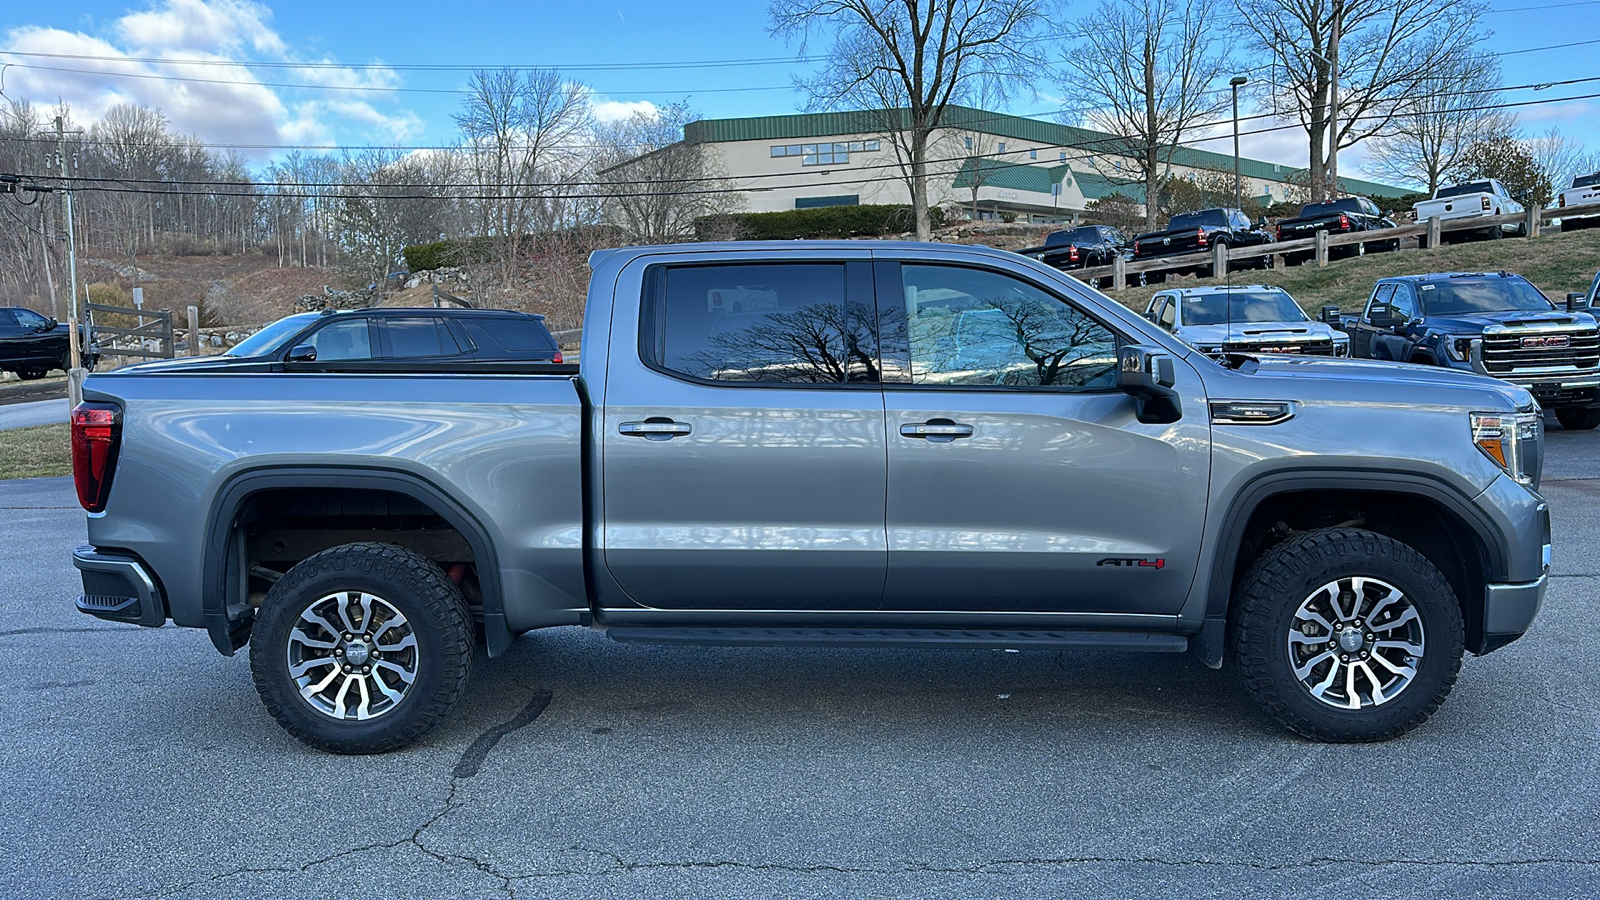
(228, 634)
(1467, 549)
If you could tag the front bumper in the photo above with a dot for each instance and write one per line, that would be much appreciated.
(118, 588)
(1510, 607)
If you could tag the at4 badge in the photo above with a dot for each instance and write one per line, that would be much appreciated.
(1132, 561)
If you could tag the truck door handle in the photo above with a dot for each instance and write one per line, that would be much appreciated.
(940, 431)
(655, 428)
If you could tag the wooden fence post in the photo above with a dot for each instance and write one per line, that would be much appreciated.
(194, 331)
(1219, 260)
(1119, 272)
(1322, 248)
(1535, 215)
(1435, 233)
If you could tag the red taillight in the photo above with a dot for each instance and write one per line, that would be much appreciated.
(1136, 247)
(1280, 235)
(95, 432)
(1561, 200)
(1344, 222)
(558, 357)
(1485, 202)
(1202, 238)
(1072, 253)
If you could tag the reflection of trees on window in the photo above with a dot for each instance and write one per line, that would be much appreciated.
(819, 343)
(1008, 337)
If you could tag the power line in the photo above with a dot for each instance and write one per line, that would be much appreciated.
(437, 67)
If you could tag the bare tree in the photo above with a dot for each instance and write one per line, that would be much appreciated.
(522, 130)
(1145, 71)
(1383, 51)
(1560, 158)
(1429, 136)
(913, 59)
(387, 203)
(657, 184)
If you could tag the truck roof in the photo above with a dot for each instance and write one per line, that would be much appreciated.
(1445, 276)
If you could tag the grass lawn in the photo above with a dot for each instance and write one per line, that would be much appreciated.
(43, 451)
(1555, 263)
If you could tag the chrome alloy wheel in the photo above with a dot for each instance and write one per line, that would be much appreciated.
(353, 656)
(1356, 642)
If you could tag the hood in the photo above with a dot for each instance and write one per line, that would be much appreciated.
(1315, 377)
(1259, 332)
(1473, 324)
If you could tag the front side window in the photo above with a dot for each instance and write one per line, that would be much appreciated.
(1381, 297)
(784, 323)
(1404, 304)
(345, 340)
(982, 328)
(30, 320)
(1167, 317)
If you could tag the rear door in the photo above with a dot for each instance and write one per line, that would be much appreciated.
(13, 348)
(1020, 479)
(742, 438)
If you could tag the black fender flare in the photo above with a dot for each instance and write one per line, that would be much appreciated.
(230, 499)
(1210, 641)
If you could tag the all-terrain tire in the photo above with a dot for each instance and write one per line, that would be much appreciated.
(1287, 577)
(342, 587)
(31, 374)
(1578, 419)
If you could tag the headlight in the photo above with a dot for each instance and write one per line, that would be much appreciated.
(1459, 349)
(1341, 347)
(1513, 441)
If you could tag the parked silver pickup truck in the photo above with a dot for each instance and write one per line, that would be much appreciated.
(902, 444)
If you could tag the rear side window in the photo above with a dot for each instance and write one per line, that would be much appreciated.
(8, 320)
(411, 337)
(509, 336)
(775, 323)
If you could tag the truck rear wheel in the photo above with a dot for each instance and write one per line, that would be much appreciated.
(362, 648)
(1347, 635)
(1578, 419)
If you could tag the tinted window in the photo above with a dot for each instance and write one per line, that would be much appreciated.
(1404, 303)
(1240, 306)
(27, 318)
(1075, 236)
(411, 337)
(1167, 316)
(509, 336)
(1474, 187)
(342, 340)
(8, 320)
(1583, 181)
(763, 323)
(1214, 217)
(1380, 300)
(1474, 295)
(973, 327)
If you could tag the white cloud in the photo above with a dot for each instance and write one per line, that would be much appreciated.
(617, 110)
(219, 103)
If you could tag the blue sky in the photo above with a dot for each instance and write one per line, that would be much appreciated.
(361, 100)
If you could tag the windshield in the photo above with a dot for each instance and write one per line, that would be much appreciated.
(1241, 307)
(1586, 180)
(1214, 217)
(1471, 187)
(272, 336)
(1476, 295)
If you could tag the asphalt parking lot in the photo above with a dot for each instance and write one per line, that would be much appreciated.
(139, 763)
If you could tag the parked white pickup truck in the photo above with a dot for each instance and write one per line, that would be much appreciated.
(1585, 189)
(1472, 200)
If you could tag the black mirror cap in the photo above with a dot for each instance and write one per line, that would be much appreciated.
(1574, 301)
(1261, 222)
(1384, 320)
(1330, 315)
(302, 353)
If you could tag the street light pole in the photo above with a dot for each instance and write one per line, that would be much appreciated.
(1238, 189)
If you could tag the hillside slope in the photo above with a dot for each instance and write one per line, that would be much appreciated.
(1556, 263)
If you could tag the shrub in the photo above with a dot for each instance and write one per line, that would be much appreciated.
(426, 257)
(823, 222)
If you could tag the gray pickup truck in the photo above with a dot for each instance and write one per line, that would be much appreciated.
(829, 443)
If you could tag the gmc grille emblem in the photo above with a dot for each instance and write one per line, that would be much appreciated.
(1547, 340)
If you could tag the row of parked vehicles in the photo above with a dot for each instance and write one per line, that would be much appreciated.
(1492, 323)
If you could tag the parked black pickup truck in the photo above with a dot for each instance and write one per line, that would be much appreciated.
(1195, 232)
(1343, 216)
(1494, 323)
(31, 345)
(1084, 247)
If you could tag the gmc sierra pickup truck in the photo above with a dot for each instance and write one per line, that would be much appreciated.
(1497, 324)
(888, 444)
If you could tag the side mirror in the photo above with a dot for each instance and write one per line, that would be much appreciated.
(1148, 374)
(1385, 319)
(302, 353)
(1261, 222)
(1330, 315)
(1574, 301)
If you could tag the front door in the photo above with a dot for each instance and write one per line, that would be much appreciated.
(743, 437)
(1020, 479)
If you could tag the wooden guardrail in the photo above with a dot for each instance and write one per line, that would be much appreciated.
(1430, 234)
(136, 340)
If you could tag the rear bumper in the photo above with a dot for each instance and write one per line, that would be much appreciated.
(118, 588)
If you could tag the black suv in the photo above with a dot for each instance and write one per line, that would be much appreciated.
(475, 340)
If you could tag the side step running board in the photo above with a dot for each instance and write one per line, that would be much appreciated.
(953, 638)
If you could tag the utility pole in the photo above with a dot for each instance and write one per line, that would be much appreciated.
(1237, 82)
(75, 372)
(1333, 102)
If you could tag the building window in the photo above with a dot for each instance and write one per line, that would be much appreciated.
(969, 143)
(1001, 146)
(824, 154)
(1063, 154)
(1033, 154)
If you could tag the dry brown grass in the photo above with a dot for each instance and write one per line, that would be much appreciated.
(43, 451)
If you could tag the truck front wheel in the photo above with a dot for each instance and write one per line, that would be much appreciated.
(1346, 635)
(362, 648)
(1578, 419)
